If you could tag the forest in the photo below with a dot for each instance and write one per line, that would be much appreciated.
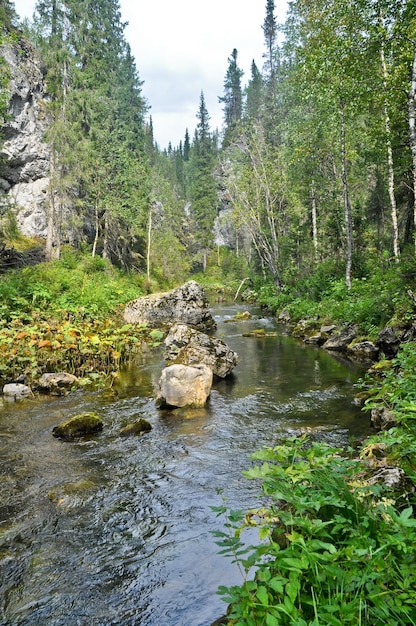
(314, 168)
(307, 193)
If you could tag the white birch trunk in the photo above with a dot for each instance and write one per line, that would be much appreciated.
(346, 200)
(412, 128)
(393, 207)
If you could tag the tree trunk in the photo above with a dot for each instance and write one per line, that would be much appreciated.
(346, 200)
(412, 103)
(106, 249)
(314, 221)
(149, 238)
(392, 197)
(52, 244)
(97, 227)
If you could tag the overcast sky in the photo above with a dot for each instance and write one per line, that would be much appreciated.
(181, 48)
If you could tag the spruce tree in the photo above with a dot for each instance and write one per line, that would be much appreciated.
(203, 186)
(98, 135)
(254, 94)
(232, 98)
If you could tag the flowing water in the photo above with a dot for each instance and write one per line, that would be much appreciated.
(109, 530)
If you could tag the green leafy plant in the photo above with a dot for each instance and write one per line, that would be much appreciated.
(335, 548)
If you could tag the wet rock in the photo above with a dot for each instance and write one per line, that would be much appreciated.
(187, 304)
(183, 385)
(340, 341)
(361, 397)
(56, 383)
(187, 346)
(138, 427)
(16, 391)
(78, 426)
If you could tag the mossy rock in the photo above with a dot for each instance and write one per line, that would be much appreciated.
(139, 427)
(244, 315)
(79, 426)
(259, 332)
(377, 369)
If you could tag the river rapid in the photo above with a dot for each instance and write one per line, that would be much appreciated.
(118, 531)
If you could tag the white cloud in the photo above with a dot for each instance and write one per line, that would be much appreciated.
(181, 48)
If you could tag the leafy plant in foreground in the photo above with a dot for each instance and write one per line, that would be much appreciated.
(334, 547)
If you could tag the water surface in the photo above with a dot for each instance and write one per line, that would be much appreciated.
(107, 530)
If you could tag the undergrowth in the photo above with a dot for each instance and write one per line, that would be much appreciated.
(337, 543)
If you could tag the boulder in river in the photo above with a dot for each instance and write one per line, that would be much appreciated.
(183, 385)
(138, 427)
(80, 425)
(16, 391)
(187, 346)
(187, 304)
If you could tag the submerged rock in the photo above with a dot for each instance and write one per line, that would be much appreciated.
(187, 346)
(187, 304)
(78, 426)
(138, 427)
(182, 385)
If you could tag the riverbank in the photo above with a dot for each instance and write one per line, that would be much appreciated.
(338, 535)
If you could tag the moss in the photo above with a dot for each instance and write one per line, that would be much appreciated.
(78, 426)
(138, 427)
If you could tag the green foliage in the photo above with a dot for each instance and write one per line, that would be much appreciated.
(80, 286)
(374, 299)
(65, 316)
(397, 387)
(335, 548)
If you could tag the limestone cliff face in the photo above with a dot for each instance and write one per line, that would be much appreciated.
(24, 173)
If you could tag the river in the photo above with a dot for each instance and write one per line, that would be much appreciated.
(114, 531)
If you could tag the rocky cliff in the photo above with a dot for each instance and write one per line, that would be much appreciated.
(24, 156)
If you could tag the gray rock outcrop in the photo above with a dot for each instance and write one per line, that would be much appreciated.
(189, 347)
(182, 386)
(25, 173)
(186, 304)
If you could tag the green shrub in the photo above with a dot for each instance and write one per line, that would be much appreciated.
(334, 546)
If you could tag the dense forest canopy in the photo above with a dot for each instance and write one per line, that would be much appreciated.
(315, 164)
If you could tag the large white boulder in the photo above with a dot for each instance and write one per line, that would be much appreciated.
(182, 385)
